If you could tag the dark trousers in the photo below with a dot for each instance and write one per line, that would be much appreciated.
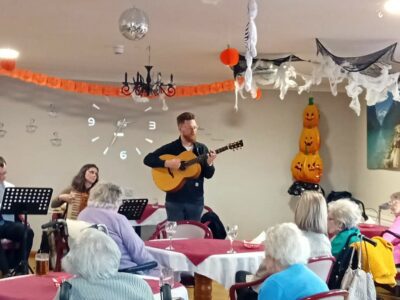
(177, 211)
(14, 231)
(244, 293)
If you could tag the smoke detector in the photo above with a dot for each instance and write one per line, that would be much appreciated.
(119, 49)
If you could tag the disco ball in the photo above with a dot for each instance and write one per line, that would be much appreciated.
(133, 24)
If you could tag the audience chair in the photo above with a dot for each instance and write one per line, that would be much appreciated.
(396, 289)
(58, 241)
(322, 266)
(330, 295)
(242, 285)
(184, 229)
(9, 248)
(206, 209)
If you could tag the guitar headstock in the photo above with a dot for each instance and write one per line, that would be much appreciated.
(236, 145)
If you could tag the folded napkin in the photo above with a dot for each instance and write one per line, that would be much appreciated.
(259, 239)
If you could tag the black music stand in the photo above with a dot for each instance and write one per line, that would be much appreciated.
(26, 201)
(133, 209)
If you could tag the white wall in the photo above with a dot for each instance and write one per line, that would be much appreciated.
(249, 187)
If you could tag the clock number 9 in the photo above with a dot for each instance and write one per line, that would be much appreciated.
(91, 121)
(123, 155)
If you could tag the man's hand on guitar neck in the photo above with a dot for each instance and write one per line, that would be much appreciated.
(174, 163)
(210, 157)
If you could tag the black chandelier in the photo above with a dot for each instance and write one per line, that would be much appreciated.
(148, 87)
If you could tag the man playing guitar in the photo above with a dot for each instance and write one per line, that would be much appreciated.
(187, 202)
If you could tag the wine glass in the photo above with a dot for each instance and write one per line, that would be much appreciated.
(232, 232)
(166, 277)
(170, 229)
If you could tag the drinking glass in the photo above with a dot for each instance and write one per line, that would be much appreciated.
(42, 263)
(167, 277)
(170, 229)
(231, 232)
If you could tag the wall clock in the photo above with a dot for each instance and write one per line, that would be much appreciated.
(119, 133)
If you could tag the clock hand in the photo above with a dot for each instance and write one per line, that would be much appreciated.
(121, 124)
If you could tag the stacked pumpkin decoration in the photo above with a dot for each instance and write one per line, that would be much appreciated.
(307, 164)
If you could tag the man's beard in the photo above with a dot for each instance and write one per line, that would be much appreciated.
(190, 138)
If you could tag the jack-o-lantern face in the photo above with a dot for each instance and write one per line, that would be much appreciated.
(309, 140)
(311, 115)
(297, 166)
(313, 168)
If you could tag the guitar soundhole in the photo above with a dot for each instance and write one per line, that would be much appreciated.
(182, 166)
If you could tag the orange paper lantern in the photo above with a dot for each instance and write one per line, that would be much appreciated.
(229, 57)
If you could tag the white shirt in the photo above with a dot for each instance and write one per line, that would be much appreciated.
(3, 186)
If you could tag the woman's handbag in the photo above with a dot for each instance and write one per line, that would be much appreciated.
(358, 283)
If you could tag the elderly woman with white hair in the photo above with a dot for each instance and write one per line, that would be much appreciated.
(311, 216)
(286, 253)
(94, 260)
(104, 201)
(343, 218)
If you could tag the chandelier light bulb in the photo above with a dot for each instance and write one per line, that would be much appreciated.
(392, 6)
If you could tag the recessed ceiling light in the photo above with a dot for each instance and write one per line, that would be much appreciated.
(392, 6)
(7, 53)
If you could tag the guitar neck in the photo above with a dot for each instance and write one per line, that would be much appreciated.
(201, 157)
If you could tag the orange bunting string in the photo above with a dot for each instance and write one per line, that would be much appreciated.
(68, 85)
(7, 64)
(259, 94)
(54, 82)
(109, 90)
(39, 79)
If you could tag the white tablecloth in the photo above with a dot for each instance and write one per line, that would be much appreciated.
(219, 267)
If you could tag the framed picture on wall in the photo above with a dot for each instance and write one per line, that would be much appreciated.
(383, 135)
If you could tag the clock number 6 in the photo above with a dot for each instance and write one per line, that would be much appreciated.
(123, 155)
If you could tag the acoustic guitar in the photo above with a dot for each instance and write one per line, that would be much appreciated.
(169, 180)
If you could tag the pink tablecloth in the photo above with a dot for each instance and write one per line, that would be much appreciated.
(43, 287)
(30, 287)
(148, 211)
(371, 230)
(197, 250)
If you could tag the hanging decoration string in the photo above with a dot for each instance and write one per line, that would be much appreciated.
(111, 90)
